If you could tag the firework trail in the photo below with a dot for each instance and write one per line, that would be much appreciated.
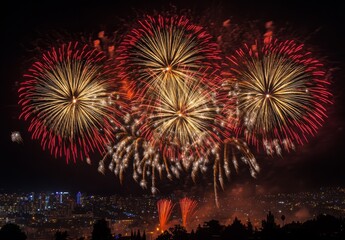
(281, 92)
(165, 50)
(164, 207)
(68, 97)
(188, 209)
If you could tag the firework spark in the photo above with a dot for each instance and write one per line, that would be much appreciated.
(281, 92)
(235, 151)
(16, 137)
(164, 207)
(67, 95)
(165, 49)
(188, 209)
(130, 148)
(224, 159)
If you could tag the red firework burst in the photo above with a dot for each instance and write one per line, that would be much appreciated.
(164, 49)
(281, 91)
(68, 96)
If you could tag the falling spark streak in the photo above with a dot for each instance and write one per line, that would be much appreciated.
(234, 150)
(131, 149)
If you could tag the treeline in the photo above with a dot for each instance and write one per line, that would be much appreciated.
(323, 227)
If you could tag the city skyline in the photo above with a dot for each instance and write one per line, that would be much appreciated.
(25, 166)
(41, 214)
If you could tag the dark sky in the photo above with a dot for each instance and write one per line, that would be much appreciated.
(26, 167)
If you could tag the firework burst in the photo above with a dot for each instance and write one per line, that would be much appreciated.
(182, 119)
(177, 130)
(165, 49)
(67, 97)
(281, 93)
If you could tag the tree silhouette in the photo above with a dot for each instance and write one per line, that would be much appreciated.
(236, 230)
(269, 223)
(210, 229)
(324, 227)
(61, 235)
(192, 235)
(11, 231)
(179, 233)
(269, 228)
(144, 235)
(101, 231)
(164, 236)
(296, 231)
(175, 233)
(250, 227)
(138, 235)
(283, 219)
(214, 227)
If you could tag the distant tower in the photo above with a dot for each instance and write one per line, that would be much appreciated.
(31, 197)
(40, 202)
(79, 198)
(47, 198)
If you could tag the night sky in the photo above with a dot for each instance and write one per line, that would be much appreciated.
(27, 167)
